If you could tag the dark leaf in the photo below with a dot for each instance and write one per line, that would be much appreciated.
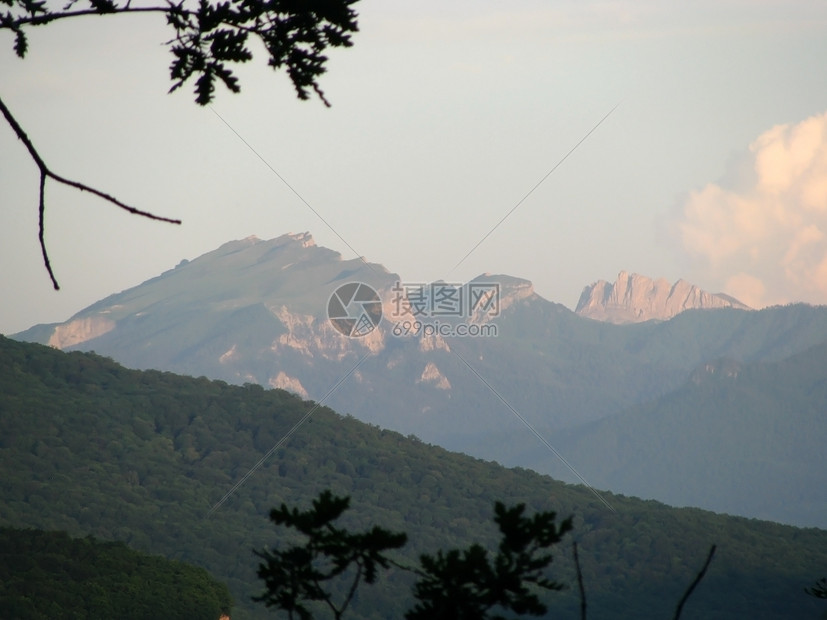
(226, 76)
(204, 87)
(21, 45)
(32, 7)
(103, 6)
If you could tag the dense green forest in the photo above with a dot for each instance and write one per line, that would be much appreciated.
(93, 448)
(48, 575)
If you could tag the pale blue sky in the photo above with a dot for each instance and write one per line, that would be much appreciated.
(444, 115)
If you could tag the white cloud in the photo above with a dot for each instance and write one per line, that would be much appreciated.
(765, 241)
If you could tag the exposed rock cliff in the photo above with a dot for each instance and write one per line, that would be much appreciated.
(633, 298)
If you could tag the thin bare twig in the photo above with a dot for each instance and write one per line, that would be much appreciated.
(352, 592)
(45, 173)
(697, 580)
(580, 583)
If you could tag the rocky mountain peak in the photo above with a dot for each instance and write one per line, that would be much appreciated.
(305, 239)
(634, 298)
(285, 242)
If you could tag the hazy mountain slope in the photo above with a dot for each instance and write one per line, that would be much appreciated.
(739, 438)
(634, 298)
(235, 296)
(255, 311)
(93, 448)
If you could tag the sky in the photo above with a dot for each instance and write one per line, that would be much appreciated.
(711, 167)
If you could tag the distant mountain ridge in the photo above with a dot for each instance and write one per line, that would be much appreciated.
(634, 298)
(255, 311)
(764, 422)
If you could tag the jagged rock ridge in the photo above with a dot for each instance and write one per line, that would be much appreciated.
(634, 298)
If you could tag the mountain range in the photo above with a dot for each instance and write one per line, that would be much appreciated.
(542, 390)
(189, 468)
(736, 438)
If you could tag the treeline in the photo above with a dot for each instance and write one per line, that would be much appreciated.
(50, 576)
(90, 447)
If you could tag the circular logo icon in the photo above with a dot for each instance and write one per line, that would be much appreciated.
(354, 309)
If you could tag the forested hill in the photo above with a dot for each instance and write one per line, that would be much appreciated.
(48, 575)
(92, 448)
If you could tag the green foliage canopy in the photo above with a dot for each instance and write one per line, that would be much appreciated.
(94, 448)
(47, 575)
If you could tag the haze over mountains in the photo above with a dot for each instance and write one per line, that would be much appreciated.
(744, 438)
(256, 311)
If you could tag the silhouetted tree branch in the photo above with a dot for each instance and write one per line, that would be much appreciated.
(298, 574)
(819, 590)
(460, 584)
(207, 37)
(45, 173)
(466, 585)
(580, 583)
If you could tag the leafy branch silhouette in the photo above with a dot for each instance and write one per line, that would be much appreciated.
(459, 584)
(208, 37)
(297, 575)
